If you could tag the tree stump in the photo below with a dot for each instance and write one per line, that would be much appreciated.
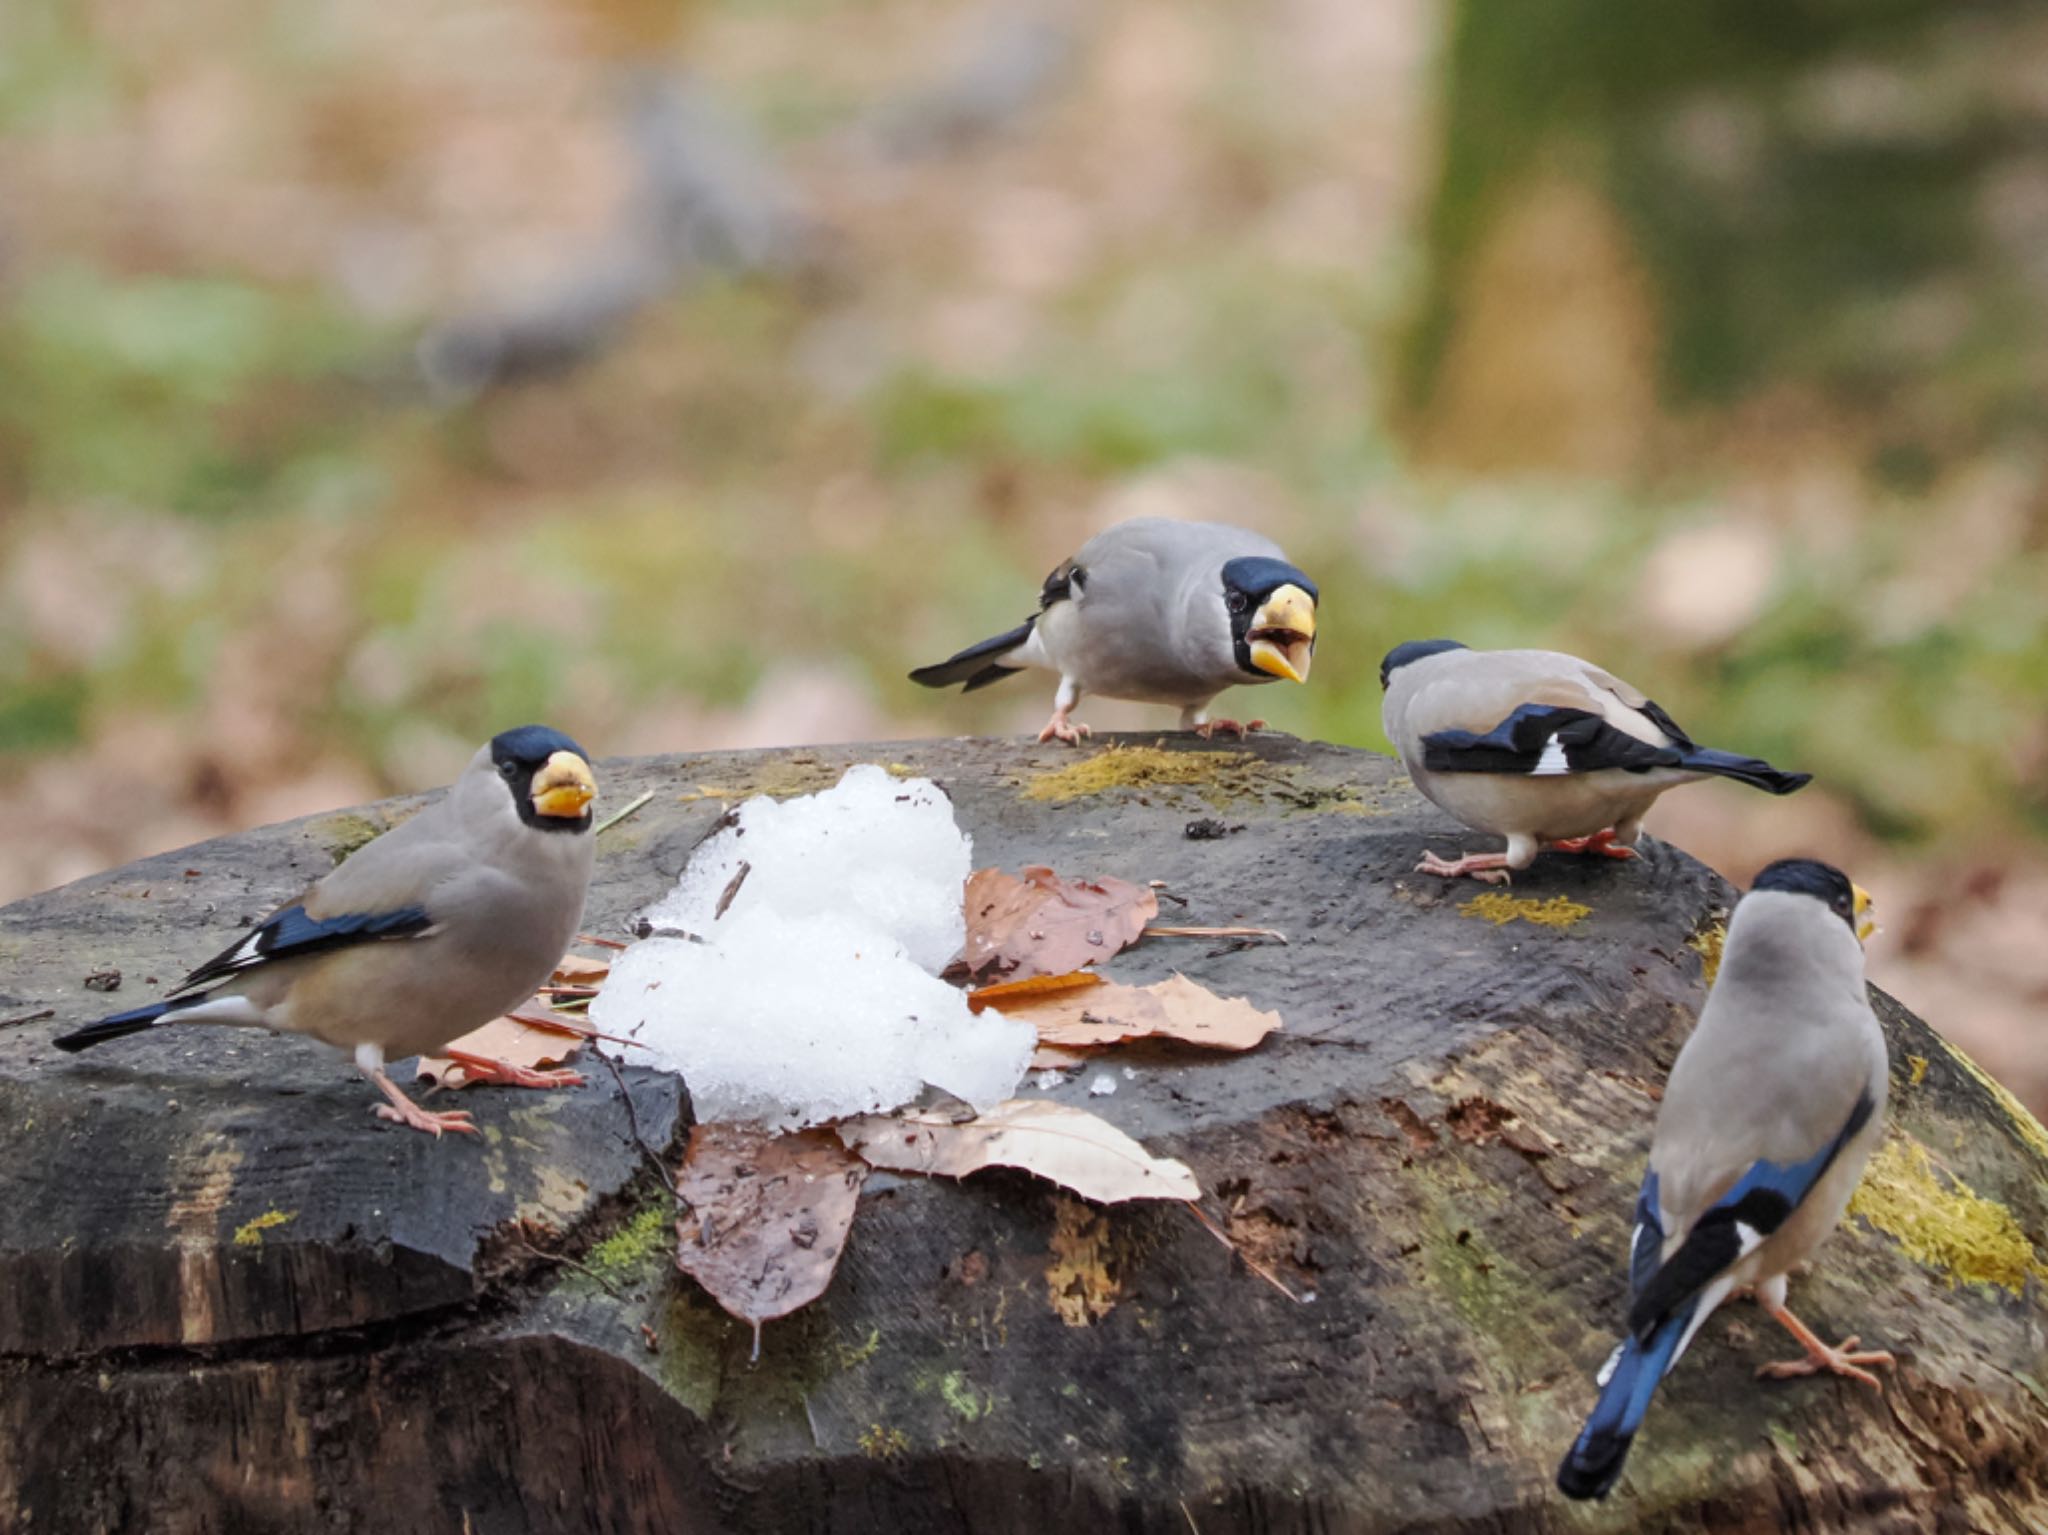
(230, 1299)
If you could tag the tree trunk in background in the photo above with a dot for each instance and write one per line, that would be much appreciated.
(1687, 204)
(229, 1299)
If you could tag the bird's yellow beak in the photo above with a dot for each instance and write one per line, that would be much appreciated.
(564, 786)
(1283, 634)
(1866, 924)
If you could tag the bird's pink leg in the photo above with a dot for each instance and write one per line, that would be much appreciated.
(1489, 868)
(403, 1111)
(1059, 727)
(482, 1068)
(1601, 843)
(1842, 1360)
(1210, 728)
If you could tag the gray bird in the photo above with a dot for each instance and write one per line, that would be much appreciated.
(426, 933)
(1773, 1107)
(1159, 611)
(1541, 748)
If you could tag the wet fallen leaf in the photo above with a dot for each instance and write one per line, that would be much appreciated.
(1067, 1146)
(1177, 1008)
(528, 1042)
(768, 1216)
(1040, 924)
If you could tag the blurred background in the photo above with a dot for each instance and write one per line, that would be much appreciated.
(373, 377)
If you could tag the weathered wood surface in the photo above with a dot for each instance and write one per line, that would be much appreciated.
(396, 1356)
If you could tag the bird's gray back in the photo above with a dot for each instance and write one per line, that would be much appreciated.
(1785, 1047)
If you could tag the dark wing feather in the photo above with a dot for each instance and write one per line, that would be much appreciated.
(1542, 740)
(292, 933)
(1758, 1204)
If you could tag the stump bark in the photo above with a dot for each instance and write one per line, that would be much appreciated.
(229, 1299)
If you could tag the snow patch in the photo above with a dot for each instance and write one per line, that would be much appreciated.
(814, 995)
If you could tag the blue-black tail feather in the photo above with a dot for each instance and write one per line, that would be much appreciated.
(1754, 771)
(118, 1025)
(1593, 1465)
(977, 665)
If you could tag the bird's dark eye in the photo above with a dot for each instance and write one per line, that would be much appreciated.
(510, 770)
(1237, 602)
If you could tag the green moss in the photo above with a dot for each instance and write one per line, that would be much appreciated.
(1500, 909)
(250, 1233)
(648, 1235)
(345, 832)
(958, 1393)
(692, 1335)
(1217, 777)
(1941, 1222)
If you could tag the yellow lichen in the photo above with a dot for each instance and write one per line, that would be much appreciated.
(879, 1443)
(1941, 1222)
(1078, 1281)
(1219, 776)
(250, 1233)
(1500, 908)
(776, 778)
(1918, 1065)
(2023, 1121)
(1707, 944)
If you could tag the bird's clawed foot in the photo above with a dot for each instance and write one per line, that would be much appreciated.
(1060, 728)
(1488, 868)
(1842, 1359)
(482, 1068)
(1209, 729)
(401, 1110)
(1601, 843)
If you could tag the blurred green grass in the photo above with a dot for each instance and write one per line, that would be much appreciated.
(707, 502)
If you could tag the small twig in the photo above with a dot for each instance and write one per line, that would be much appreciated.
(633, 1124)
(1189, 1517)
(732, 889)
(565, 1025)
(10, 1023)
(567, 989)
(1157, 931)
(602, 943)
(582, 1268)
(1208, 1224)
(612, 820)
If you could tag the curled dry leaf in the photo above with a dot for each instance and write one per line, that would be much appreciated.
(511, 1049)
(575, 970)
(1068, 1146)
(1009, 994)
(1041, 924)
(768, 1216)
(1058, 1058)
(1176, 1008)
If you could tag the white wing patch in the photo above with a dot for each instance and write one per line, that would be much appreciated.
(245, 953)
(1750, 1238)
(1552, 763)
(1607, 1370)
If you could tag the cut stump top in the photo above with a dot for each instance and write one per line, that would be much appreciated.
(1438, 1153)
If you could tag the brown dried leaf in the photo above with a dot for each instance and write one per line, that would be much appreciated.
(575, 970)
(1044, 925)
(768, 1216)
(523, 1042)
(1006, 993)
(1058, 1058)
(1177, 1008)
(1067, 1146)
